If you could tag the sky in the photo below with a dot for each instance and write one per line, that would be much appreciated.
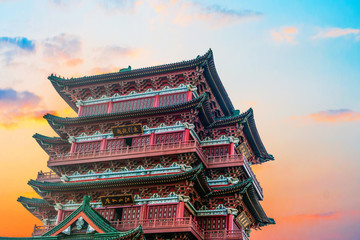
(296, 63)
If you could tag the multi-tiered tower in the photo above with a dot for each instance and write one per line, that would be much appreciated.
(159, 147)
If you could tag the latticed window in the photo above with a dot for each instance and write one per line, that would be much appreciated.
(141, 141)
(168, 138)
(108, 214)
(172, 99)
(87, 146)
(134, 104)
(212, 223)
(114, 144)
(165, 211)
(217, 151)
(94, 109)
(131, 213)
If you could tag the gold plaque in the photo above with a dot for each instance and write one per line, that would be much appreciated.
(117, 200)
(127, 130)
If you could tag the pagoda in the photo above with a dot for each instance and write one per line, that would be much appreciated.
(155, 153)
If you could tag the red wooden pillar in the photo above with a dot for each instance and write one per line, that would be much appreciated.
(232, 148)
(189, 95)
(230, 222)
(143, 211)
(80, 111)
(103, 144)
(59, 216)
(186, 136)
(156, 101)
(180, 210)
(109, 107)
(152, 139)
(72, 149)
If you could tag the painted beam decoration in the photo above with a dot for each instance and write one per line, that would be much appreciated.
(127, 130)
(117, 200)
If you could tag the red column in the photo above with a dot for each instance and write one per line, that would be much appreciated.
(230, 222)
(152, 138)
(143, 211)
(109, 107)
(59, 217)
(156, 101)
(180, 210)
(189, 95)
(80, 111)
(72, 149)
(186, 136)
(103, 144)
(232, 149)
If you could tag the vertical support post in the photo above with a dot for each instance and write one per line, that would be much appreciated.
(156, 101)
(80, 111)
(72, 149)
(143, 212)
(186, 136)
(232, 148)
(230, 222)
(152, 138)
(189, 95)
(180, 210)
(109, 107)
(103, 144)
(59, 216)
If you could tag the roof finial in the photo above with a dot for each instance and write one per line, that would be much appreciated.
(86, 200)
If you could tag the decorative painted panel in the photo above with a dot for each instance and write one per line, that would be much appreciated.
(115, 144)
(134, 104)
(141, 141)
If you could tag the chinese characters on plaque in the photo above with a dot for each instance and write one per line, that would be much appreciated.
(127, 130)
(243, 220)
(117, 200)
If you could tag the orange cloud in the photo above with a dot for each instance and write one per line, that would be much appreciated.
(337, 32)
(16, 107)
(186, 12)
(332, 116)
(102, 70)
(285, 34)
(74, 62)
(311, 217)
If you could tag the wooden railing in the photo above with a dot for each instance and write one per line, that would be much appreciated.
(124, 151)
(224, 234)
(161, 225)
(47, 176)
(220, 161)
(40, 230)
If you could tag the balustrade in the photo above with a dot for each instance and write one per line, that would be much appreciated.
(47, 176)
(224, 234)
(40, 230)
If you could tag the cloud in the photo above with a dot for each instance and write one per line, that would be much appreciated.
(20, 42)
(18, 106)
(337, 32)
(313, 217)
(332, 116)
(184, 13)
(113, 5)
(11, 48)
(74, 62)
(102, 70)
(285, 34)
(63, 46)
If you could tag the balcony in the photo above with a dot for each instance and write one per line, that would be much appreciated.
(40, 230)
(48, 177)
(225, 234)
(164, 225)
(127, 153)
(225, 161)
